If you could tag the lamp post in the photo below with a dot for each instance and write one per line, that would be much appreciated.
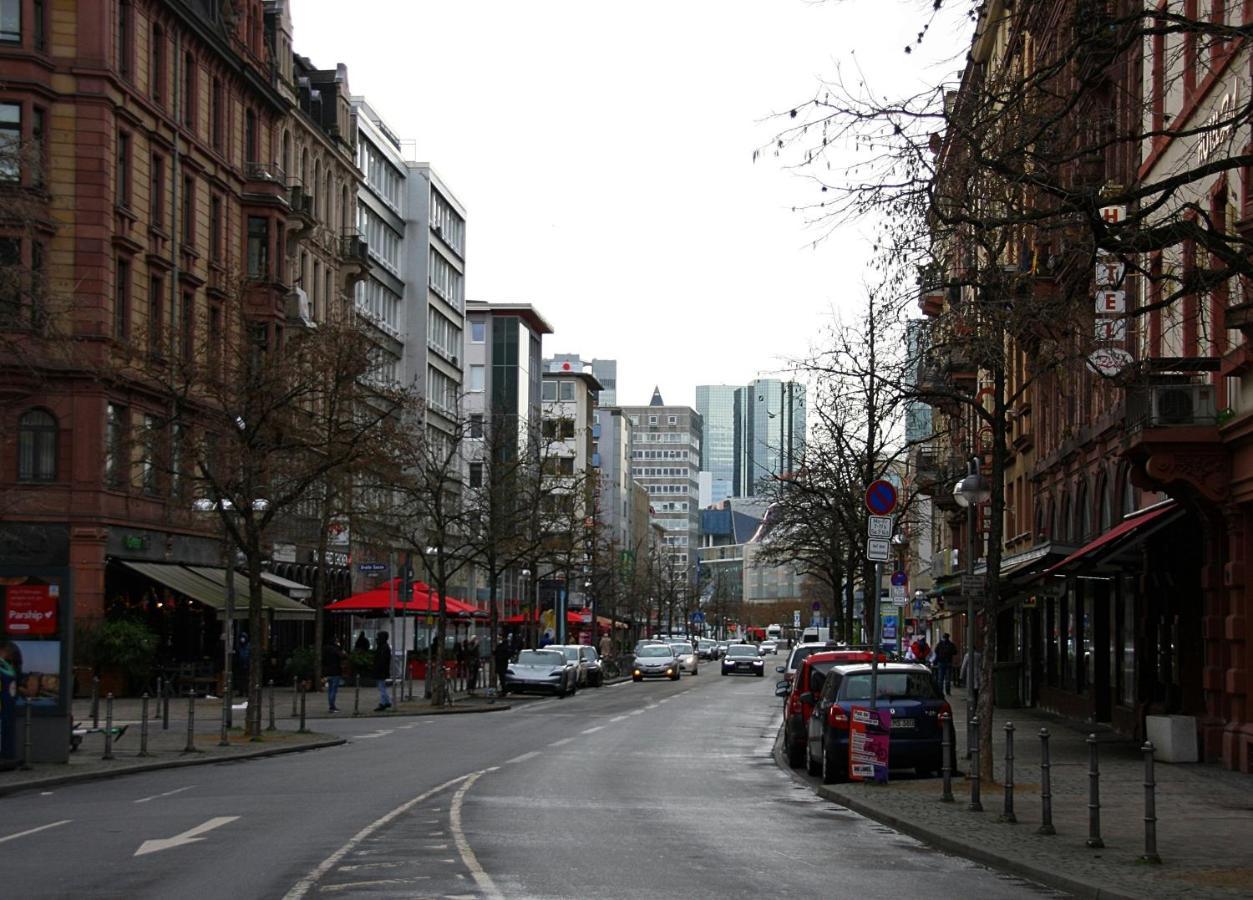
(525, 577)
(969, 492)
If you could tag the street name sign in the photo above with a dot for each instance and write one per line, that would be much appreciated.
(371, 567)
(972, 585)
(877, 550)
(880, 527)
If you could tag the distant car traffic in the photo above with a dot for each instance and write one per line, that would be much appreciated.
(706, 649)
(540, 670)
(686, 655)
(743, 659)
(768, 646)
(655, 661)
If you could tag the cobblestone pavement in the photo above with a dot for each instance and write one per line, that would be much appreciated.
(1204, 828)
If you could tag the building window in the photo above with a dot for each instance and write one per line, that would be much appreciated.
(187, 327)
(11, 21)
(148, 464)
(250, 136)
(652, 420)
(476, 425)
(189, 91)
(10, 280)
(156, 315)
(37, 446)
(114, 445)
(156, 194)
(566, 390)
(549, 391)
(39, 149)
(213, 340)
(216, 118)
(258, 247)
(176, 461)
(121, 299)
(476, 378)
(476, 474)
(478, 332)
(189, 212)
(125, 38)
(122, 182)
(215, 230)
(156, 66)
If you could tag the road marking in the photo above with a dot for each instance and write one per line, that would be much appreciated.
(639, 712)
(666, 700)
(561, 742)
(166, 794)
(301, 887)
(617, 718)
(377, 734)
(13, 837)
(523, 758)
(591, 730)
(190, 836)
(649, 706)
(481, 878)
(351, 885)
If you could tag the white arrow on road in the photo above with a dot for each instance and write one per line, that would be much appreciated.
(190, 836)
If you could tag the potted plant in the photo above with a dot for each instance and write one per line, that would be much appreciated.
(300, 665)
(124, 650)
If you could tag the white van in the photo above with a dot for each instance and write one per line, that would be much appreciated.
(774, 632)
(815, 635)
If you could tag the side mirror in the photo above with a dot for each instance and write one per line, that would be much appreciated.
(782, 689)
(780, 669)
(806, 697)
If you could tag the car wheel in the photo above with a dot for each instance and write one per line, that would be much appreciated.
(696, 671)
(795, 751)
(761, 674)
(812, 766)
(635, 679)
(834, 767)
(724, 672)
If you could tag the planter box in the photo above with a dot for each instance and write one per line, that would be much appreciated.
(1174, 738)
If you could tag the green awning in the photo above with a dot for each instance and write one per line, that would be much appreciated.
(282, 607)
(178, 579)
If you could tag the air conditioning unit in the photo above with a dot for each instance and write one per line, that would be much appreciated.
(298, 310)
(1182, 404)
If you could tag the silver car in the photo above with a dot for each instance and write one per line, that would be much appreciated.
(655, 661)
(595, 674)
(540, 670)
(686, 654)
(574, 656)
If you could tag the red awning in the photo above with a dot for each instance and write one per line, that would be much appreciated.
(382, 599)
(1124, 530)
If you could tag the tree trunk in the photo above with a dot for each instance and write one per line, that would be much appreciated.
(256, 641)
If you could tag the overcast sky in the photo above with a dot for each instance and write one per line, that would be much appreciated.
(604, 154)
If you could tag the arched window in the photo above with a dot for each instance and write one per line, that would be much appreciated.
(1083, 513)
(287, 171)
(318, 199)
(328, 211)
(1106, 518)
(1128, 494)
(37, 446)
(1065, 525)
(345, 209)
(304, 169)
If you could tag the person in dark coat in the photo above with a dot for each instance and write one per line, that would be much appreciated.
(383, 670)
(472, 663)
(501, 658)
(333, 671)
(363, 643)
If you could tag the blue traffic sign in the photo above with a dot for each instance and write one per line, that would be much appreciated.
(371, 567)
(698, 617)
(881, 497)
(900, 578)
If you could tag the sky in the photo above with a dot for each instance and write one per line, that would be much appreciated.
(603, 151)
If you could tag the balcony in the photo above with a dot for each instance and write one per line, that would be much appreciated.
(300, 219)
(1172, 438)
(265, 183)
(354, 256)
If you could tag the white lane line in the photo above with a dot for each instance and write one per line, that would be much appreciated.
(639, 712)
(561, 742)
(377, 734)
(523, 758)
(481, 878)
(166, 794)
(666, 700)
(617, 718)
(301, 887)
(649, 706)
(13, 837)
(591, 730)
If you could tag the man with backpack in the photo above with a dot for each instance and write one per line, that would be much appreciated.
(920, 649)
(945, 653)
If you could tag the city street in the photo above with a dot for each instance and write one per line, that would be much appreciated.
(654, 788)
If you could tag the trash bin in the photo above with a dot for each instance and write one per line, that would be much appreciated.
(1006, 681)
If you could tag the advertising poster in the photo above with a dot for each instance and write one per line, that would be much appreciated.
(39, 683)
(869, 733)
(31, 610)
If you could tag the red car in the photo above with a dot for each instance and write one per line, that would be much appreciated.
(803, 694)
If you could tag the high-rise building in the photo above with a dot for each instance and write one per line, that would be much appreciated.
(605, 370)
(716, 405)
(769, 432)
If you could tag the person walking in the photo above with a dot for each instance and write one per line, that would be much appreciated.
(919, 650)
(606, 646)
(472, 663)
(501, 658)
(945, 653)
(363, 643)
(383, 670)
(333, 672)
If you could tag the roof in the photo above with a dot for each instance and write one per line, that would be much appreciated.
(656, 401)
(524, 311)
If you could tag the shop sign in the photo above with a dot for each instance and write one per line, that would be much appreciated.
(135, 542)
(869, 733)
(31, 609)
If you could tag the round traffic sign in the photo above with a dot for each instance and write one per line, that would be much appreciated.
(900, 579)
(815, 606)
(881, 497)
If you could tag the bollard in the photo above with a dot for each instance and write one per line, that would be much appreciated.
(295, 689)
(95, 701)
(1150, 808)
(143, 727)
(272, 726)
(302, 729)
(1046, 786)
(946, 748)
(165, 706)
(972, 732)
(26, 740)
(224, 738)
(108, 727)
(1094, 796)
(156, 710)
(356, 696)
(976, 805)
(1007, 814)
(191, 723)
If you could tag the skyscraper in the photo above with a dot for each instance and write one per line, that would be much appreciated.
(769, 432)
(716, 405)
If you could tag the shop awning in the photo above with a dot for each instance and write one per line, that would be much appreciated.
(294, 589)
(284, 608)
(381, 599)
(178, 579)
(1130, 530)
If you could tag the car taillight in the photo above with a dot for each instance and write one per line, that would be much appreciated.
(946, 710)
(836, 717)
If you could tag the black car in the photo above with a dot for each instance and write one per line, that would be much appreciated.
(907, 690)
(743, 659)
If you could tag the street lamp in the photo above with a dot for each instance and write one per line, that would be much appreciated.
(969, 492)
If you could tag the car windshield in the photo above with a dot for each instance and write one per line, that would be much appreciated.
(680, 649)
(892, 686)
(799, 654)
(572, 653)
(706, 644)
(539, 658)
(742, 650)
(588, 654)
(655, 650)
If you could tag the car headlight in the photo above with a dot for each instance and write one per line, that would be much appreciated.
(758, 662)
(636, 672)
(670, 671)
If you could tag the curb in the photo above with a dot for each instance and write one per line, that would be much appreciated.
(77, 777)
(956, 848)
(396, 714)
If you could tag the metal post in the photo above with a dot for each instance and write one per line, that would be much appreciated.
(143, 727)
(1150, 808)
(95, 701)
(1094, 796)
(27, 739)
(191, 723)
(976, 805)
(108, 726)
(946, 745)
(972, 676)
(295, 689)
(272, 726)
(1007, 814)
(876, 630)
(224, 739)
(156, 710)
(303, 729)
(356, 694)
(1046, 786)
(167, 688)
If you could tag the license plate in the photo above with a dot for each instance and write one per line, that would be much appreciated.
(902, 723)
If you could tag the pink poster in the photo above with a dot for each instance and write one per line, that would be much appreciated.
(869, 733)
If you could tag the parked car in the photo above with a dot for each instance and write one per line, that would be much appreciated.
(574, 656)
(687, 656)
(743, 659)
(540, 670)
(804, 692)
(907, 690)
(591, 659)
(655, 661)
(794, 659)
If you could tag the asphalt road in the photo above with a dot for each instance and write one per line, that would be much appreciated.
(655, 789)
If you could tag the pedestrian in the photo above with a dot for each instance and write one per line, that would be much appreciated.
(606, 646)
(383, 670)
(919, 649)
(459, 654)
(501, 659)
(472, 663)
(362, 645)
(243, 657)
(970, 673)
(945, 653)
(10, 675)
(332, 670)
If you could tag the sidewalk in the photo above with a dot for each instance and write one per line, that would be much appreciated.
(1204, 827)
(168, 747)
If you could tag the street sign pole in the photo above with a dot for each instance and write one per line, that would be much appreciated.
(876, 631)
